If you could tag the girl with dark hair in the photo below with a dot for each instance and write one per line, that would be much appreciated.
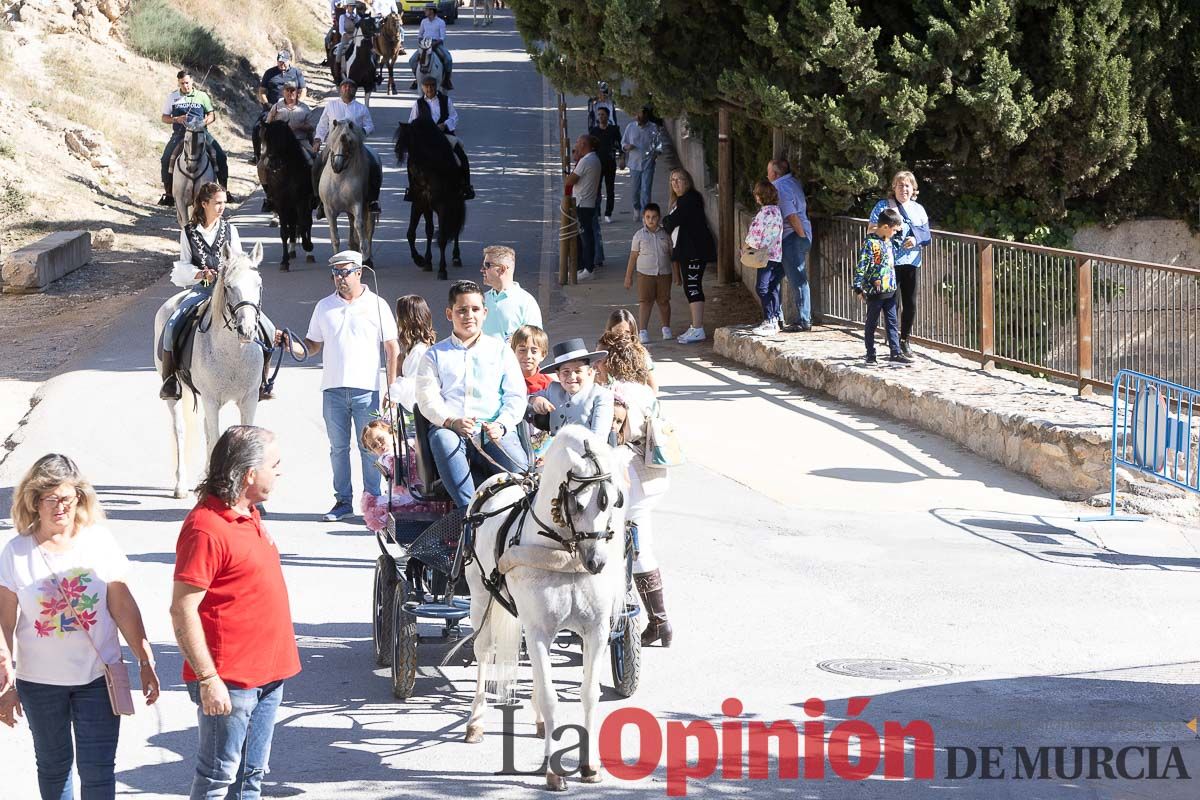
(63, 599)
(414, 324)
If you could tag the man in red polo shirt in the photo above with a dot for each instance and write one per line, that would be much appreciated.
(231, 616)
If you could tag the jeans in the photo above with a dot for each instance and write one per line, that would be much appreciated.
(374, 180)
(907, 276)
(641, 180)
(340, 408)
(587, 238)
(795, 256)
(888, 306)
(221, 166)
(440, 51)
(57, 712)
(459, 463)
(234, 749)
(767, 285)
(608, 171)
(597, 237)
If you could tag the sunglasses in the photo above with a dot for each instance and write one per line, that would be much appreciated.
(493, 265)
(343, 273)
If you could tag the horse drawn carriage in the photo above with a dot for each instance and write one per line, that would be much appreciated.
(427, 545)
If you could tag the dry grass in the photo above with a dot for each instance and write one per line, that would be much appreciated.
(257, 28)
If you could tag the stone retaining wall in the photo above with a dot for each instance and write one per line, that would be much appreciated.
(1022, 423)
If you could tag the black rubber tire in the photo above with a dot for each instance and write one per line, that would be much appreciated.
(625, 653)
(404, 645)
(381, 620)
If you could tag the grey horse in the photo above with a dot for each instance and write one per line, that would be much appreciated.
(190, 170)
(227, 362)
(344, 185)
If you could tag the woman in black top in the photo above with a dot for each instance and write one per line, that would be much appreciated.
(693, 247)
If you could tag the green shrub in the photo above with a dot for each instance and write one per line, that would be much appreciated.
(6, 149)
(12, 199)
(157, 30)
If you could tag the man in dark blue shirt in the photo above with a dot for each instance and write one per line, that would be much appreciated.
(270, 90)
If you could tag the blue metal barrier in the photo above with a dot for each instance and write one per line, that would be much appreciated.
(1152, 433)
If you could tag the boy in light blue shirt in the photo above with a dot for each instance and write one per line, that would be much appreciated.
(508, 305)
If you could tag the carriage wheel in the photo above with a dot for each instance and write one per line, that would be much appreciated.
(626, 654)
(381, 620)
(404, 645)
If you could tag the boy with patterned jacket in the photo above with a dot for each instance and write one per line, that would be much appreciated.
(875, 284)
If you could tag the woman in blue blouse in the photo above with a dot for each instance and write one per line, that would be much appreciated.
(913, 237)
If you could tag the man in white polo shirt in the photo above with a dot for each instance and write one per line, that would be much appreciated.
(350, 325)
(508, 305)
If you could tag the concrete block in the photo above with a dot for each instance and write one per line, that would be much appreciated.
(36, 266)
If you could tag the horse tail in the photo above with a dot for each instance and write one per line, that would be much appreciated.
(503, 656)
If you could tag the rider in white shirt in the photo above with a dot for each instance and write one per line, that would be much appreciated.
(439, 108)
(384, 8)
(345, 107)
(434, 27)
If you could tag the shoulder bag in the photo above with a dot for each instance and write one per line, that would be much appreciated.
(754, 257)
(662, 442)
(116, 675)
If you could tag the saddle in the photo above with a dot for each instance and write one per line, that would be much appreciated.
(185, 338)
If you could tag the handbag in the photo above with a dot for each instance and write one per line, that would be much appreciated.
(754, 257)
(662, 442)
(116, 675)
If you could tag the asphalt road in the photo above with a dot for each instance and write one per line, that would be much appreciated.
(801, 536)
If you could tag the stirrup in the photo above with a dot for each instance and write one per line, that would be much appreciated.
(171, 389)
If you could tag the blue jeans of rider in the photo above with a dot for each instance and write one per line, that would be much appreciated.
(640, 181)
(348, 410)
(795, 267)
(234, 749)
(459, 464)
(57, 712)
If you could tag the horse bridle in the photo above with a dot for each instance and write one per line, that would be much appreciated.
(198, 160)
(568, 490)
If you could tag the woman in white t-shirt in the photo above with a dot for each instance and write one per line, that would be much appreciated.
(63, 598)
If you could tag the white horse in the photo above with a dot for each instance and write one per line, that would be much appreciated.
(344, 184)
(227, 362)
(428, 64)
(487, 6)
(574, 533)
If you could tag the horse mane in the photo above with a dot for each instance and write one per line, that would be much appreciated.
(280, 140)
(236, 263)
(427, 147)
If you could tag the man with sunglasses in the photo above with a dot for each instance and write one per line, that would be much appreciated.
(348, 327)
(508, 305)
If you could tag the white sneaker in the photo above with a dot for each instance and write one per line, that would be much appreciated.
(765, 328)
(608, 220)
(692, 336)
(666, 334)
(644, 337)
(583, 275)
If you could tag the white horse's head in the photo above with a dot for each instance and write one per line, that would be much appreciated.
(237, 297)
(588, 493)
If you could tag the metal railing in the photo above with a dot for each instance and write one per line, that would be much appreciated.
(1070, 315)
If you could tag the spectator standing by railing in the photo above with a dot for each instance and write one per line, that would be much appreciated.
(766, 233)
(797, 238)
(913, 237)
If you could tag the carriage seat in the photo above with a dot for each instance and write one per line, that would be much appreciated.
(427, 471)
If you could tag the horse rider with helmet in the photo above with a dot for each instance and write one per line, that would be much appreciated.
(433, 28)
(188, 102)
(438, 107)
(205, 244)
(270, 92)
(345, 107)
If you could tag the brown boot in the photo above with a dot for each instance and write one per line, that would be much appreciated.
(170, 386)
(649, 586)
(266, 390)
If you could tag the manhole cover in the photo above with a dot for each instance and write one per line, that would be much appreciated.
(883, 668)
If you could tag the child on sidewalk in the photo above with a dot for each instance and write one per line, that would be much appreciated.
(650, 253)
(875, 284)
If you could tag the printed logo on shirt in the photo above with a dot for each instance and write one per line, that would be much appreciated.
(68, 610)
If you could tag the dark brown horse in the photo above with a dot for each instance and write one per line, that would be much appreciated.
(435, 187)
(286, 176)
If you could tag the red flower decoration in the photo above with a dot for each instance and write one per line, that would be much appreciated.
(43, 629)
(86, 619)
(52, 605)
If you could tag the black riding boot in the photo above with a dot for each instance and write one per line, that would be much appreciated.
(318, 165)
(266, 391)
(170, 386)
(649, 586)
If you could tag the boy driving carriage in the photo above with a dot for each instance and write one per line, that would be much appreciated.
(470, 388)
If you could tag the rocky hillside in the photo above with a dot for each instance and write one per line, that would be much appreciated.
(81, 87)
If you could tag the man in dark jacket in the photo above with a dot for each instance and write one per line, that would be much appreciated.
(609, 136)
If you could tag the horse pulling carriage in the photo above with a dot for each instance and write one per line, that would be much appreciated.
(429, 545)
